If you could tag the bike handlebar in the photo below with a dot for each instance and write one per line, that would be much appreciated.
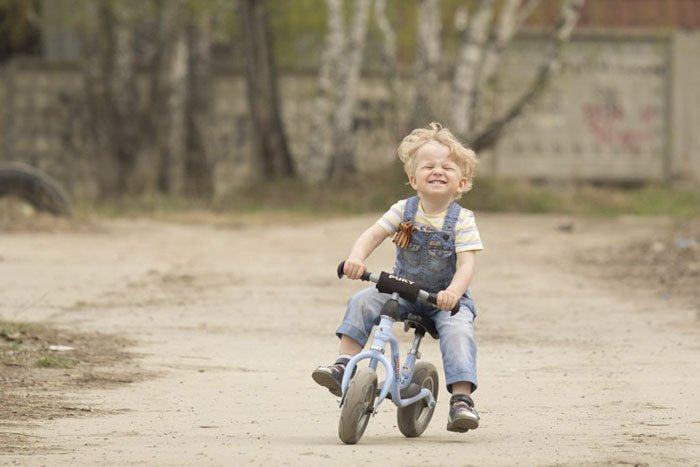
(389, 283)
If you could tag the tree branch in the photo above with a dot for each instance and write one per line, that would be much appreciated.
(569, 15)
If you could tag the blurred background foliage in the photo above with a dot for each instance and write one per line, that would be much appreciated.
(19, 28)
(299, 30)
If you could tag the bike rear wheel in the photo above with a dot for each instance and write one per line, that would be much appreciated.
(414, 419)
(358, 405)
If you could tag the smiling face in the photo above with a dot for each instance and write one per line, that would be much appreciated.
(437, 176)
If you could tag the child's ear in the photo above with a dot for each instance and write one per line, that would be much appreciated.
(463, 184)
(412, 181)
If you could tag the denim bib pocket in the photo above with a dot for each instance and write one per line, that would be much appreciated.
(411, 254)
(440, 247)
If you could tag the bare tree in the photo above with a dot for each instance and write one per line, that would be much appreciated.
(484, 33)
(169, 87)
(331, 151)
(389, 59)
(148, 138)
(569, 14)
(510, 19)
(320, 144)
(482, 39)
(111, 94)
(473, 38)
(427, 64)
(262, 90)
(181, 88)
(343, 160)
(198, 155)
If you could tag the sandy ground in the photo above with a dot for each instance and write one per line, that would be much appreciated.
(576, 366)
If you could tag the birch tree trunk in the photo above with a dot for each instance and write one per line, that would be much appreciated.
(125, 96)
(427, 68)
(343, 161)
(181, 92)
(261, 80)
(389, 60)
(148, 138)
(569, 14)
(510, 19)
(173, 92)
(469, 62)
(512, 15)
(320, 144)
(94, 70)
(198, 165)
(112, 95)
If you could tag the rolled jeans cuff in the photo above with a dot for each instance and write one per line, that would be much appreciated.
(352, 332)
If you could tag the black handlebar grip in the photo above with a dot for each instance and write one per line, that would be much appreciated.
(341, 266)
(432, 298)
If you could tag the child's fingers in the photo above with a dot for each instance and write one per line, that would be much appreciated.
(446, 300)
(358, 272)
(353, 270)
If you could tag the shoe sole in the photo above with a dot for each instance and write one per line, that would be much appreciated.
(327, 381)
(463, 425)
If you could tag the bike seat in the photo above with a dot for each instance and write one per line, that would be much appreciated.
(421, 324)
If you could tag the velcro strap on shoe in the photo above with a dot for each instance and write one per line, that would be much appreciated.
(462, 398)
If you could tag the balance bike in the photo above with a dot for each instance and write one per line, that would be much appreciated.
(413, 387)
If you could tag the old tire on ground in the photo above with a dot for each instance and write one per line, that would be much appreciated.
(414, 419)
(35, 187)
(358, 405)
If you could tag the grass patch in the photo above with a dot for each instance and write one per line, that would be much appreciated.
(151, 204)
(54, 362)
(376, 192)
(12, 330)
(38, 384)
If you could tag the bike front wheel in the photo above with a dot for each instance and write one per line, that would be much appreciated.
(414, 419)
(358, 405)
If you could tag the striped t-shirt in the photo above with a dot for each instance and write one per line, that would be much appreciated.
(466, 233)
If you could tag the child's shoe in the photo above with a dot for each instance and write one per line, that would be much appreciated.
(331, 376)
(463, 416)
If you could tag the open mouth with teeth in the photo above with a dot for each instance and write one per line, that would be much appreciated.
(437, 182)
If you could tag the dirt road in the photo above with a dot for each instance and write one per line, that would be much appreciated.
(575, 366)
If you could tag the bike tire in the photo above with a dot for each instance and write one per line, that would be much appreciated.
(415, 418)
(359, 402)
(35, 187)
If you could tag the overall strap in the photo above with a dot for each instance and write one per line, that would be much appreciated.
(451, 218)
(410, 209)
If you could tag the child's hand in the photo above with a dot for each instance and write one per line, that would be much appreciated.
(354, 268)
(447, 299)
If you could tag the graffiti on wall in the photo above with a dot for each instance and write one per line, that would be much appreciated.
(613, 122)
(604, 117)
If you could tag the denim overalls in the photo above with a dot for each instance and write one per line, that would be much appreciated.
(430, 260)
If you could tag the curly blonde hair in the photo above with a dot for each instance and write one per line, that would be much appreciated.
(464, 157)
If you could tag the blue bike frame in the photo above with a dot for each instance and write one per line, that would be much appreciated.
(396, 379)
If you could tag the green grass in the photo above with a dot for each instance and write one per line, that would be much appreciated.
(54, 362)
(375, 193)
(587, 199)
(12, 327)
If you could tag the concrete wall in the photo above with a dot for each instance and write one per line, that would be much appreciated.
(684, 117)
(626, 108)
(605, 118)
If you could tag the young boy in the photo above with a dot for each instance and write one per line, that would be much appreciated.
(436, 244)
